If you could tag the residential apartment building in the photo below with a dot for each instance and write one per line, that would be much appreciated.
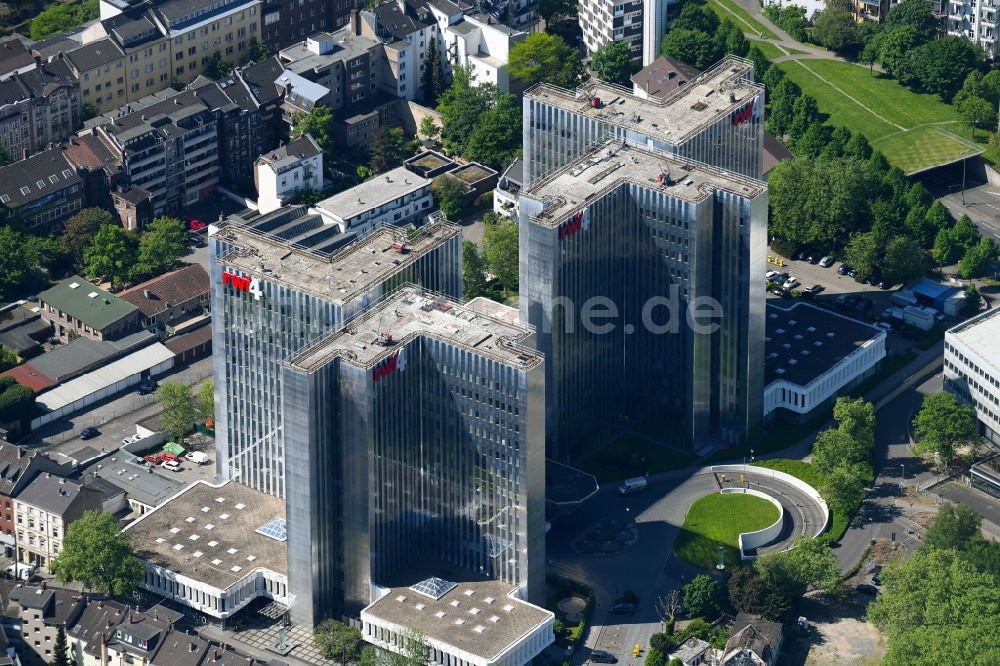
(281, 280)
(42, 612)
(397, 197)
(168, 146)
(716, 119)
(140, 48)
(281, 174)
(43, 511)
(15, 57)
(289, 21)
(38, 108)
(95, 626)
(974, 20)
(42, 191)
(649, 238)
(18, 468)
(415, 436)
(606, 21)
(972, 369)
(874, 10)
(78, 308)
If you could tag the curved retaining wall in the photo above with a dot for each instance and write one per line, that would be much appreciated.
(809, 491)
(754, 540)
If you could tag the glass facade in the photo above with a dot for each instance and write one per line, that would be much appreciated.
(443, 459)
(651, 255)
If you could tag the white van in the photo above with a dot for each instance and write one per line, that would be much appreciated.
(24, 571)
(197, 457)
(629, 486)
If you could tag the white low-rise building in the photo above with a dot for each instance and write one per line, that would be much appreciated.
(281, 174)
(813, 355)
(397, 197)
(972, 368)
(214, 548)
(505, 196)
(472, 623)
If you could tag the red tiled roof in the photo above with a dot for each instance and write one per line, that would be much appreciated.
(27, 375)
(175, 287)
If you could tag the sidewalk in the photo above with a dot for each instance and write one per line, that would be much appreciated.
(258, 650)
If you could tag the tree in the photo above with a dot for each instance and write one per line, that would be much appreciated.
(895, 46)
(8, 359)
(946, 250)
(858, 148)
(805, 113)
(937, 609)
(462, 107)
(808, 562)
(965, 232)
(473, 270)
(496, 141)
(973, 301)
(613, 62)
(429, 128)
(162, 243)
(98, 554)
(696, 16)
(760, 62)
(206, 399)
(915, 14)
(178, 408)
(942, 425)
(977, 112)
(337, 640)
(218, 68)
(500, 251)
(702, 596)
(856, 418)
(62, 16)
(904, 260)
(111, 254)
(14, 268)
(844, 487)
(17, 403)
(667, 607)
(308, 196)
(938, 217)
(257, 51)
(450, 193)
(971, 87)
(750, 593)
(60, 652)
(654, 658)
(415, 652)
(318, 124)
(941, 65)
(551, 9)
(834, 448)
(544, 57)
(836, 29)
(977, 259)
(433, 74)
(991, 86)
(693, 47)
(954, 525)
(862, 252)
(729, 40)
(81, 229)
(387, 149)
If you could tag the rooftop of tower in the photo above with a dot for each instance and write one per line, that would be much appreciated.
(284, 255)
(592, 174)
(410, 311)
(676, 116)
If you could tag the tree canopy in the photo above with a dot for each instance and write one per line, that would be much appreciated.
(161, 244)
(178, 408)
(112, 254)
(500, 251)
(613, 62)
(62, 16)
(450, 193)
(808, 562)
(80, 230)
(544, 57)
(337, 640)
(703, 597)
(318, 123)
(942, 425)
(98, 554)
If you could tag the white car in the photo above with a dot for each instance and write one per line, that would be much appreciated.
(884, 325)
(172, 465)
(826, 261)
(770, 275)
(790, 283)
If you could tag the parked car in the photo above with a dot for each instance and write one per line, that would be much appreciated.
(778, 291)
(21, 571)
(813, 258)
(623, 609)
(885, 284)
(197, 457)
(602, 657)
(813, 289)
(864, 588)
(843, 268)
(771, 275)
(196, 240)
(853, 272)
(826, 261)
(89, 433)
(790, 283)
(781, 277)
(148, 387)
(884, 325)
(172, 465)
(167, 455)
(152, 459)
(129, 440)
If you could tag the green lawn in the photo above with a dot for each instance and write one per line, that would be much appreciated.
(749, 23)
(769, 49)
(914, 130)
(717, 520)
(630, 456)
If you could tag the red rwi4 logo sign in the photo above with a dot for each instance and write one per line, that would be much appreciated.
(387, 367)
(247, 284)
(569, 228)
(741, 116)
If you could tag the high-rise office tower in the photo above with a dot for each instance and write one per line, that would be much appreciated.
(281, 281)
(717, 119)
(625, 254)
(414, 445)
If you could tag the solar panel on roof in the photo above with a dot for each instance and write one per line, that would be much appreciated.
(274, 529)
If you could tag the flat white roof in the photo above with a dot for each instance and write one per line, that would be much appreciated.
(373, 193)
(103, 377)
(981, 334)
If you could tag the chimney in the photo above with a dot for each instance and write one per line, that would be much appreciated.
(156, 614)
(146, 293)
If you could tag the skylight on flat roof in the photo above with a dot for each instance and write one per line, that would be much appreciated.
(433, 587)
(274, 529)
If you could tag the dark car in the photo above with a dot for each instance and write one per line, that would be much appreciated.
(843, 268)
(813, 289)
(146, 388)
(89, 433)
(602, 657)
(864, 588)
(852, 272)
(885, 284)
(778, 291)
(814, 258)
(781, 277)
(623, 609)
